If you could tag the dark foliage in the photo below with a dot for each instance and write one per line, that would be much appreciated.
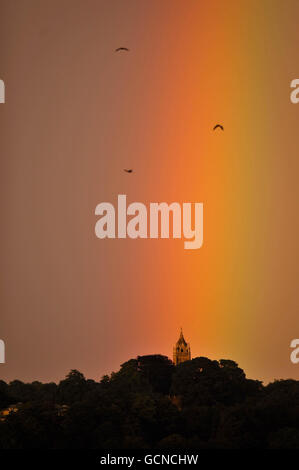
(150, 403)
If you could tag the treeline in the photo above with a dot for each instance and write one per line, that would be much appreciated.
(151, 404)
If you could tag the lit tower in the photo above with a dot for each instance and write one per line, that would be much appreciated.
(181, 350)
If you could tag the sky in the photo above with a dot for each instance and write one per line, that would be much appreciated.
(77, 114)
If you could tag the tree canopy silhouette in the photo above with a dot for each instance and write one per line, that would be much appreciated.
(152, 404)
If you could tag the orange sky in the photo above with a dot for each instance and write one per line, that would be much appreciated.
(77, 113)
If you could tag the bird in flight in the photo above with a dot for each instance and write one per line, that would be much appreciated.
(128, 171)
(122, 49)
(218, 125)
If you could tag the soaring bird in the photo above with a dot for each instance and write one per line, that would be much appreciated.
(128, 171)
(218, 125)
(122, 49)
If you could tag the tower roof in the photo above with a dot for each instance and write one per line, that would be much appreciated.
(181, 339)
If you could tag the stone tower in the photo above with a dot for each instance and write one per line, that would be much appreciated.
(181, 351)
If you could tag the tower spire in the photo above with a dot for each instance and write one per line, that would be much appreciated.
(181, 350)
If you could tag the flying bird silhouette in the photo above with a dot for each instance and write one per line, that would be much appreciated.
(128, 171)
(122, 49)
(218, 125)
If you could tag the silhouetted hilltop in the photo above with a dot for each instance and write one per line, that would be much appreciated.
(150, 403)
